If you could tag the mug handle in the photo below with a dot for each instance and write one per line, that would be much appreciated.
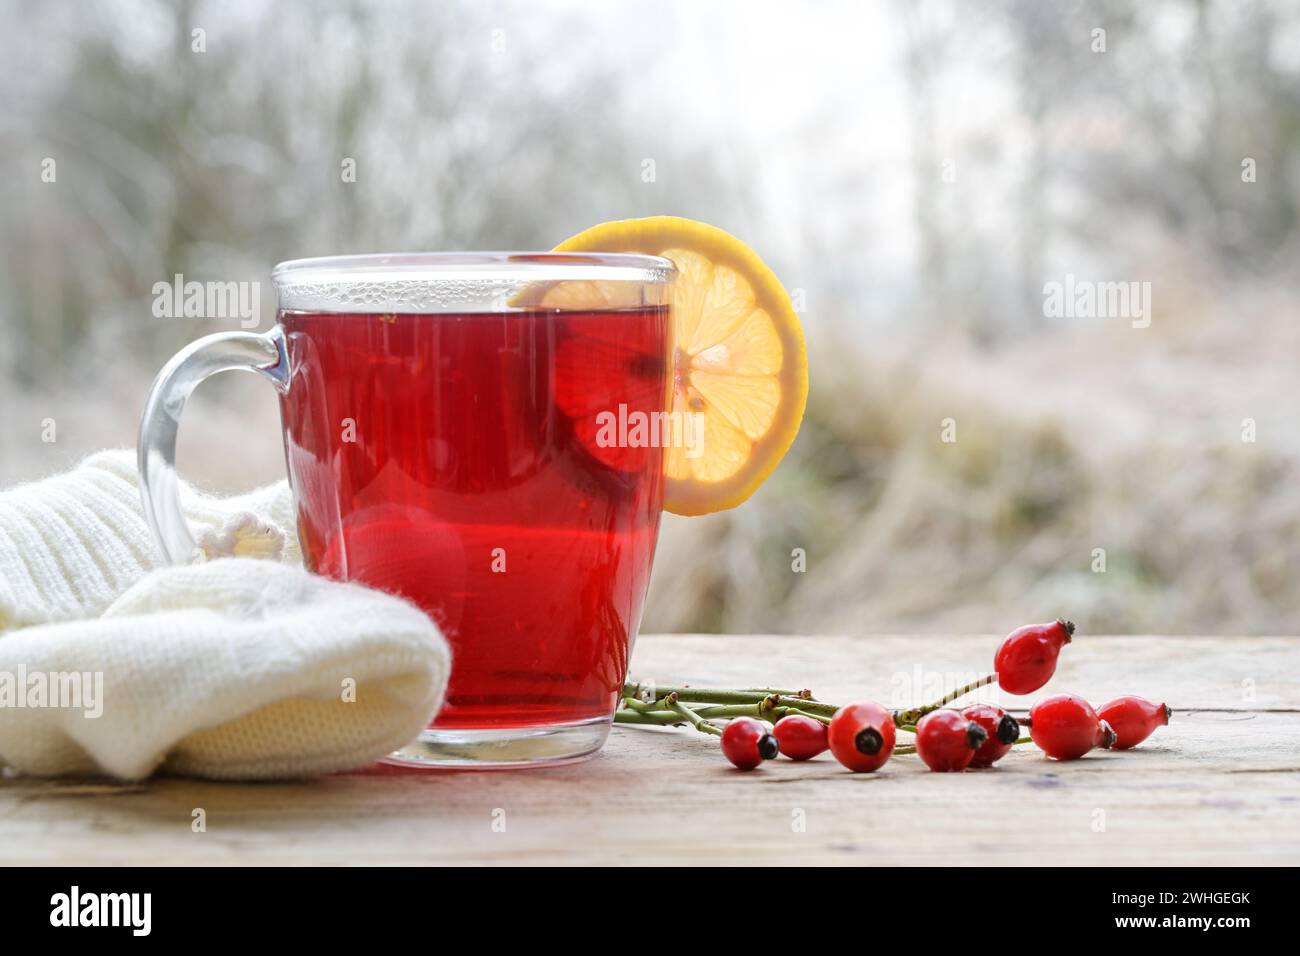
(262, 353)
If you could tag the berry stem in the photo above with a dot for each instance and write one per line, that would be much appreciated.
(916, 713)
(727, 711)
(641, 706)
(765, 703)
(804, 694)
(659, 714)
(795, 711)
(698, 722)
(705, 695)
(658, 719)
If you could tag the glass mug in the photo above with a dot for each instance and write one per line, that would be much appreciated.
(442, 418)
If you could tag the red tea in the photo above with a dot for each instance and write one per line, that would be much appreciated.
(455, 459)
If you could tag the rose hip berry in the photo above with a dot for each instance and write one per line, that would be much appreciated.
(947, 741)
(1003, 730)
(1065, 727)
(800, 738)
(1134, 719)
(747, 742)
(1026, 659)
(861, 735)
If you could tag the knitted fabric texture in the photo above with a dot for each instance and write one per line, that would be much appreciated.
(71, 544)
(238, 667)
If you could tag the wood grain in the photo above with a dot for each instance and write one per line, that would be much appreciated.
(1220, 785)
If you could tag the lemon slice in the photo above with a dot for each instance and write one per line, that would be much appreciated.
(739, 366)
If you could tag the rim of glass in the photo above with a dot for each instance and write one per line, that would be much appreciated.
(471, 267)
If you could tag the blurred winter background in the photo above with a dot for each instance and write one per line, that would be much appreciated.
(917, 172)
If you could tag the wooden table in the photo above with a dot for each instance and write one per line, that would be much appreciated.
(1220, 785)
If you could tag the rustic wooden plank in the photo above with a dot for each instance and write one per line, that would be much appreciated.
(1220, 785)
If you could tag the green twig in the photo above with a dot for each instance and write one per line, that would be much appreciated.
(698, 722)
(660, 714)
(802, 699)
(769, 704)
(916, 713)
(804, 694)
(647, 720)
(705, 695)
(795, 711)
(641, 706)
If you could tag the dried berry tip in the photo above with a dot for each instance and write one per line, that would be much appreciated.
(868, 741)
(1068, 625)
(976, 735)
(768, 747)
(1008, 729)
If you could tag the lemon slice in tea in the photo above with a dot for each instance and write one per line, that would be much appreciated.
(739, 365)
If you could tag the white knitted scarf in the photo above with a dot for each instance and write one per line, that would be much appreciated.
(243, 666)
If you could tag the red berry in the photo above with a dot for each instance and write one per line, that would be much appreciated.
(800, 738)
(861, 735)
(747, 742)
(947, 741)
(1027, 658)
(1134, 719)
(1003, 730)
(1065, 727)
